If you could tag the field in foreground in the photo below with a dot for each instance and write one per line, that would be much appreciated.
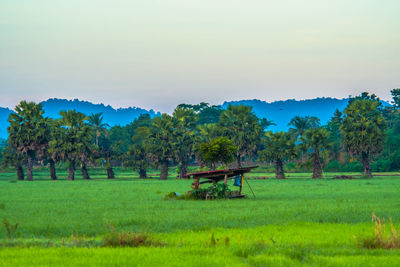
(291, 222)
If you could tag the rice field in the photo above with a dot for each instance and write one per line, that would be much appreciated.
(292, 222)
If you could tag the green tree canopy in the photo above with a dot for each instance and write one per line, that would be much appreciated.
(278, 147)
(219, 150)
(28, 132)
(363, 130)
(242, 126)
(77, 140)
(160, 142)
(315, 140)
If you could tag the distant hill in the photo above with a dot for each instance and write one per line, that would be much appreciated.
(281, 112)
(4, 112)
(121, 116)
(52, 107)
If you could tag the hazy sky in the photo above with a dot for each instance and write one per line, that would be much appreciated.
(157, 54)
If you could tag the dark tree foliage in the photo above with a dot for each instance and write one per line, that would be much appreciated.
(28, 132)
(279, 147)
(363, 131)
(243, 127)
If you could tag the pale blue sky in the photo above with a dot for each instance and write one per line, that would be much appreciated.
(157, 54)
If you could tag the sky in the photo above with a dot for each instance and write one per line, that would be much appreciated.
(160, 53)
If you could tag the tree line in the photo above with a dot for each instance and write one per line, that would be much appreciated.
(203, 135)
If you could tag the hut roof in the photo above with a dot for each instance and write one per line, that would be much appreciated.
(219, 175)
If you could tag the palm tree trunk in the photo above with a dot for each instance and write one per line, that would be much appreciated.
(317, 172)
(20, 172)
(110, 172)
(29, 176)
(164, 170)
(142, 173)
(366, 165)
(279, 169)
(213, 166)
(71, 173)
(52, 167)
(85, 174)
(182, 170)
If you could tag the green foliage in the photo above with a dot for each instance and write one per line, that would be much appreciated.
(28, 132)
(184, 137)
(301, 124)
(76, 138)
(279, 145)
(220, 150)
(96, 122)
(241, 125)
(396, 97)
(214, 191)
(363, 130)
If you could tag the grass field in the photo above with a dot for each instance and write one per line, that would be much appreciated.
(297, 221)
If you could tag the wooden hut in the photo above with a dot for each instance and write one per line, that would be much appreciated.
(221, 175)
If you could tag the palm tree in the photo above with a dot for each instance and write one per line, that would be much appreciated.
(28, 132)
(241, 125)
(301, 124)
(363, 130)
(184, 137)
(96, 121)
(76, 142)
(316, 139)
(161, 142)
(279, 147)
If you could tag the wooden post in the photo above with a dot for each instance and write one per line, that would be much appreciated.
(226, 179)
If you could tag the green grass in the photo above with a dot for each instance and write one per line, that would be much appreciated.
(290, 222)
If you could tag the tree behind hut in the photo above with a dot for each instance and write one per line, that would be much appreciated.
(219, 150)
(242, 126)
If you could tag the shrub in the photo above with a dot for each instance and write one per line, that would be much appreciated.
(128, 239)
(217, 190)
(381, 239)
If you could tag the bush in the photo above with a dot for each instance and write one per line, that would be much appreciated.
(128, 239)
(333, 166)
(381, 165)
(354, 166)
(381, 239)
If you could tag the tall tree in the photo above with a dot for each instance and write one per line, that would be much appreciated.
(54, 151)
(363, 130)
(28, 132)
(316, 140)
(184, 137)
(161, 142)
(335, 137)
(138, 155)
(77, 139)
(96, 121)
(219, 150)
(279, 147)
(241, 125)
